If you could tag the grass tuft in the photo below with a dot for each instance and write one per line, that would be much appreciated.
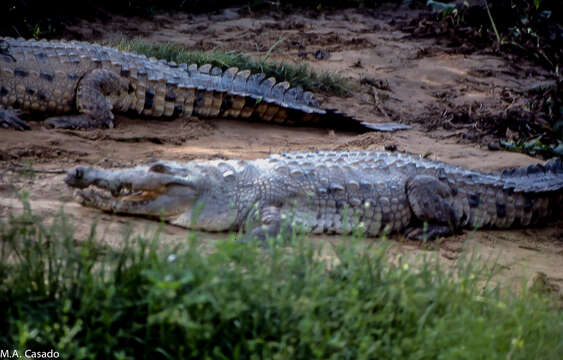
(241, 302)
(296, 75)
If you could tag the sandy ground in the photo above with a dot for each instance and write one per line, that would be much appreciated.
(396, 78)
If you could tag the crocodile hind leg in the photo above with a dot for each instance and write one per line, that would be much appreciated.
(10, 118)
(432, 204)
(96, 93)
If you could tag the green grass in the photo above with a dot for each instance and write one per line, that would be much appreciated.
(146, 301)
(296, 75)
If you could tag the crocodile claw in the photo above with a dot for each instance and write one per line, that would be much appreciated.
(11, 119)
(431, 232)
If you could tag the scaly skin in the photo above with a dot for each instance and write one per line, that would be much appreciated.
(65, 78)
(326, 192)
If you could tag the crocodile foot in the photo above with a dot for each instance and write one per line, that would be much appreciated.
(76, 122)
(263, 224)
(11, 119)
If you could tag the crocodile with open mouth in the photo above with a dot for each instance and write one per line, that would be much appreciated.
(81, 85)
(326, 192)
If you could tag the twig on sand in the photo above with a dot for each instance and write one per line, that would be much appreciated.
(377, 103)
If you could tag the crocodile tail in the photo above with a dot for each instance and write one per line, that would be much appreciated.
(237, 93)
(535, 178)
(536, 191)
(518, 196)
(335, 119)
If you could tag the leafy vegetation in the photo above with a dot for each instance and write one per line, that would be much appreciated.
(542, 133)
(532, 28)
(242, 302)
(537, 126)
(296, 75)
(527, 28)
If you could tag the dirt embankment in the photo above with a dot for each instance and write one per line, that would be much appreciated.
(424, 82)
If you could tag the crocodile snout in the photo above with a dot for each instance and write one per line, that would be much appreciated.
(75, 177)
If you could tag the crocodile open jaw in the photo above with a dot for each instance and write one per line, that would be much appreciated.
(139, 191)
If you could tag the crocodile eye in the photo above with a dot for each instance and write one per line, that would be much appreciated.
(78, 173)
(158, 168)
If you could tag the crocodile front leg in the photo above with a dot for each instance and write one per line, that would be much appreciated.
(265, 223)
(432, 203)
(10, 118)
(96, 93)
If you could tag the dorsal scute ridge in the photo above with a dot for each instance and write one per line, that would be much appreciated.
(239, 82)
(384, 159)
(278, 92)
(217, 77)
(266, 88)
(256, 86)
(205, 69)
(229, 76)
(535, 178)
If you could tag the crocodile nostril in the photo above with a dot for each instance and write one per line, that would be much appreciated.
(115, 191)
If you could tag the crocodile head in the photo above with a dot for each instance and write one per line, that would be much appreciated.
(166, 190)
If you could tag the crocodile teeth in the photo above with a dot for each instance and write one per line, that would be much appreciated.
(128, 191)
